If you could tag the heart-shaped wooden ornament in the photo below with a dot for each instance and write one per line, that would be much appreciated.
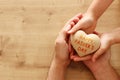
(83, 43)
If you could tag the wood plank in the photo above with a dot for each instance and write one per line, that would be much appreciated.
(28, 29)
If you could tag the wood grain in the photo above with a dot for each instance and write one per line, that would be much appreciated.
(28, 29)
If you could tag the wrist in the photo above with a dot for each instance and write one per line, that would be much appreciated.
(91, 15)
(109, 38)
(57, 71)
(98, 68)
(105, 72)
(115, 38)
(60, 63)
(112, 38)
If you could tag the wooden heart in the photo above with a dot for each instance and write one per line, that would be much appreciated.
(84, 44)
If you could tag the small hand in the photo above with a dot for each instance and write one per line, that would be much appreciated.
(87, 23)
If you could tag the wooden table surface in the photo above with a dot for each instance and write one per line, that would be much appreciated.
(28, 29)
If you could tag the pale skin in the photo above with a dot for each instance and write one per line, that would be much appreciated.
(89, 20)
(63, 57)
(102, 69)
(102, 64)
(107, 40)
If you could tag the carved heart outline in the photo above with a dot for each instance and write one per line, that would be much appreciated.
(83, 43)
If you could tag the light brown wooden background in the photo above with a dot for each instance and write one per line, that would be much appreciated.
(28, 29)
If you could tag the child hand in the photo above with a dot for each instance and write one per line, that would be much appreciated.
(87, 24)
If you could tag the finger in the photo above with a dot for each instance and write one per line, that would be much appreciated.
(78, 58)
(72, 54)
(97, 54)
(80, 15)
(97, 33)
(71, 23)
(75, 28)
(68, 27)
(75, 19)
(82, 58)
(63, 34)
(69, 46)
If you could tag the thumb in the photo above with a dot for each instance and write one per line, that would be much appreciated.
(63, 33)
(97, 54)
(75, 28)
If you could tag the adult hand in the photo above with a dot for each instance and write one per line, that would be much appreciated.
(102, 61)
(106, 42)
(107, 39)
(102, 67)
(61, 43)
(62, 59)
